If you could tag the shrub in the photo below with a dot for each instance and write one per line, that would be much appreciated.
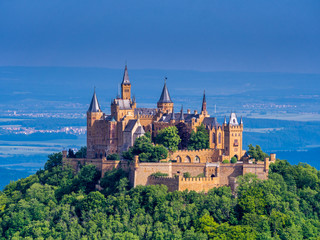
(187, 175)
(113, 156)
(225, 161)
(159, 174)
(234, 160)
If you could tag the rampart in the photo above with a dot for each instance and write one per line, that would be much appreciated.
(196, 156)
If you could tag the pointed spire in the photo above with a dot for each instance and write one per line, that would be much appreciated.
(181, 113)
(165, 96)
(241, 121)
(204, 102)
(172, 115)
(225, 120)
(94, 105)
(125, 76)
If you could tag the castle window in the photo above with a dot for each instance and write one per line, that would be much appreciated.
(187, 159)
(196, 159)
(178, 159)
(219, 138)
(213, 137)
(96, 155)
(236, 143)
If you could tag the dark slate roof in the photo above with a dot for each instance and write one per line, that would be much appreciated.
(125, 76)
(211, 122)
(140, 130)
(187, 117)
(124, 104)
(145, 111)
(165, 96)
(94, 105)
(130, 125)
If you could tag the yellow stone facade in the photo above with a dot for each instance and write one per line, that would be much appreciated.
(115, 133)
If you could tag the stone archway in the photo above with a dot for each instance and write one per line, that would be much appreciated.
(187, 159)
(196, 159)
(178, 158)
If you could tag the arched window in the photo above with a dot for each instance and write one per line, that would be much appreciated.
(213, 137)
(196, 159)
(187, 159)
(178, 159)
(219, 136)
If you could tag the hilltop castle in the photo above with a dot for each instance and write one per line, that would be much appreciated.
(115, 133)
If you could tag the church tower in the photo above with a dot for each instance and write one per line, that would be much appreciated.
(165, 104)
(126, 86)
(94, 114)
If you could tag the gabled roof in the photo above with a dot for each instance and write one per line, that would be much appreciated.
(126, 76)
(94, 105)
(165, 96)
(211, 121)
(139, 131)
(130, 125)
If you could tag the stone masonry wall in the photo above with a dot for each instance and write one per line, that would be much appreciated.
(194, 156)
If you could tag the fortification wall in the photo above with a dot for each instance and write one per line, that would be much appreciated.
(195, 156)
(193, 168)
(258, 169)
(171, 182)
(143, 170)
(227, 171)
(102, 165)
(199, 184)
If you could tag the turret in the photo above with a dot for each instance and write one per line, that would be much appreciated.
(126, 85)
(94, 114)
(173, 118)
(165, 104)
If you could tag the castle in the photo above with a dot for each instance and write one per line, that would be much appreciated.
(115, 133)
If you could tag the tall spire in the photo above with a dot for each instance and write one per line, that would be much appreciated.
(241, 121)
(225, 120)
(181, 113)
(94, 105)
(125, 76)
(204, 103)
(165, 96)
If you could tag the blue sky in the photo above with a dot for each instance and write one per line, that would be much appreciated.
(253, 36)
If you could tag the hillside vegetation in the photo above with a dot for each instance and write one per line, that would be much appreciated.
(56, 204)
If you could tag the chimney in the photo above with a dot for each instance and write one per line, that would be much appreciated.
(188, 111)
(195, 112)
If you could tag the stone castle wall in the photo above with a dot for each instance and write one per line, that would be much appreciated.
(196, 156)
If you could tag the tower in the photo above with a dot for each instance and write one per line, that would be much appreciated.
(126, 85)
(94, 114)
(204, 104)
(233, 137)
(165, 104)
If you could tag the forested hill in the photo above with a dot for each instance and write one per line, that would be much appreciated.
(55, 204)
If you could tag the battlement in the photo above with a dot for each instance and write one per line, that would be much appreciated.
(198, 179)
(195, 151)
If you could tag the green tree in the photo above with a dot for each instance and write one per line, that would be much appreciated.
(199, 139)
(113, 156)
(257, 153)
(184, 134)
(54, 160)
(81, 153)
(169, 138)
